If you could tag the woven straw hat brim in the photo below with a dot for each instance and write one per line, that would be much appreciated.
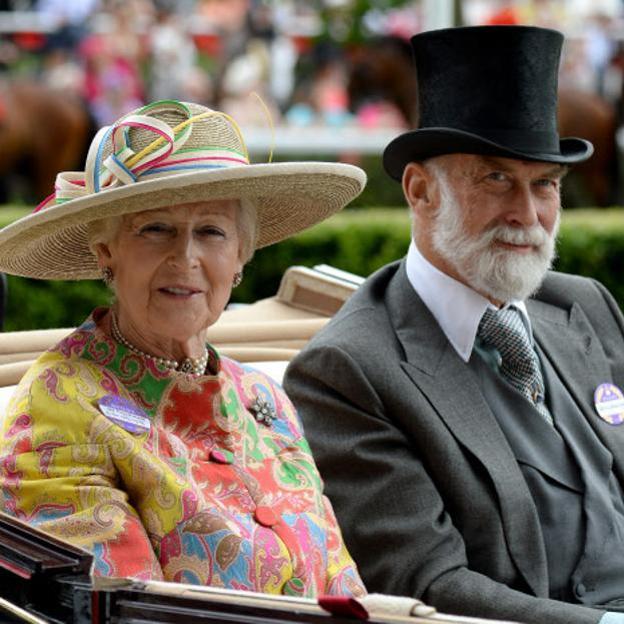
(288, 197)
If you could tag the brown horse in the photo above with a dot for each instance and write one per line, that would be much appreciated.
(384, 69)
(42, 131)
(590, 117)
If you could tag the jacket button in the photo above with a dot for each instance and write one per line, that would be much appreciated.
(220, 457)
(265, 516)
(293, 587)
(580, 590)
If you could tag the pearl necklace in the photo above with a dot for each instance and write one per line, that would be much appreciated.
(193, 366)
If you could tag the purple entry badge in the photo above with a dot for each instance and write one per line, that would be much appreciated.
(609, 403)
(124, 413)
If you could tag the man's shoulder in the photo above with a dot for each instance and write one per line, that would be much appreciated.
(366, 309)
(565, 289)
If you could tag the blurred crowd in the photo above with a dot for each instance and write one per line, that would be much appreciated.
(298, 63)
(593, 57)
(116, 54)
(296, 55)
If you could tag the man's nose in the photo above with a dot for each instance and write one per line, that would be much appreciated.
(523, 209)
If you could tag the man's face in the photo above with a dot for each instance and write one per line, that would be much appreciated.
(496, 222)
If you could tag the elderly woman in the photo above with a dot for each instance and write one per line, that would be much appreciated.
(133, 437)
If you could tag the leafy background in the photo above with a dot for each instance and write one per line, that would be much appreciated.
(360, 241)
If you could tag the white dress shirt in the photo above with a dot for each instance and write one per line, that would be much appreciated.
(456, 307)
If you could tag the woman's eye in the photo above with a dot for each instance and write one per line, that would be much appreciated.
(210, 230)
(155, 228)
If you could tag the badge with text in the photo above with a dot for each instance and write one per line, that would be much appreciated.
(124, 413)
(609, 403)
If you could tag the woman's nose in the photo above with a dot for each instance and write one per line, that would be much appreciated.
(184, 251)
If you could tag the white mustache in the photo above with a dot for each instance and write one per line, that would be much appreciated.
(535, 236)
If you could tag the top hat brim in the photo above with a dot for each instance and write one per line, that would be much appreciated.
(418, 145)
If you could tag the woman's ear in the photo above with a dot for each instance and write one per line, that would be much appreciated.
(103, 255)
(419, 188)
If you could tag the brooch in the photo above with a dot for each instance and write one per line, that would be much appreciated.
(264, 411)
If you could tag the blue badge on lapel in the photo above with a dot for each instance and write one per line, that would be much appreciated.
(124, 413)
(609, 403)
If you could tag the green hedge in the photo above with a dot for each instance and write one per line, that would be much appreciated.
(360, 241)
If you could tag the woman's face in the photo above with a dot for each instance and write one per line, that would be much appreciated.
(173, 270)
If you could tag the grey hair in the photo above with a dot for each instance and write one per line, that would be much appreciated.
(106, 230)
(103, 231)
(247, 224)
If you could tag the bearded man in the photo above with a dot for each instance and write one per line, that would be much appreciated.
(464, 406)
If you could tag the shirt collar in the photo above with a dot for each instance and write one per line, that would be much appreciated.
(456, 307)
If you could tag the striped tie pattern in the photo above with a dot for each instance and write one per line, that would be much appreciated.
(505, 331)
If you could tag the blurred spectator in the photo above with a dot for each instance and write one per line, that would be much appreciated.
(323, 97)
(575, 71)
(173, 58)
(505, 13)
(62, 72)
(600, 48)
(382, 83)
(112, 85)
(112, 59)
(70, 17)
(9, 54)
(283, 62)
(245, 75)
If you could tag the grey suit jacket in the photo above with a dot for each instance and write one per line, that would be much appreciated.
(425, 486)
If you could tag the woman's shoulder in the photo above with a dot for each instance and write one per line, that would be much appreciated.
(262, 394)
(61, 385)
(76, 357)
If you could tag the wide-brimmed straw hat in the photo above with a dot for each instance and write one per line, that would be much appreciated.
(164, 154)
(489, 90)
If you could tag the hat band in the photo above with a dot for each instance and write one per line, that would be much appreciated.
(165, 156)
(531, 141)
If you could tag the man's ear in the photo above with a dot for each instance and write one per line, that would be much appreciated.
(419, 188)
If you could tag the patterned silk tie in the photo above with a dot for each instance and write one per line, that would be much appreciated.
(505, 331)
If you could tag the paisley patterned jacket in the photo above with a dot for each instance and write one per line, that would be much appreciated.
(211, 493)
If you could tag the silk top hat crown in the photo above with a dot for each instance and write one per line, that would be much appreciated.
(488, 90)
(164, 154)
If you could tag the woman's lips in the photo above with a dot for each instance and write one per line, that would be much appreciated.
(179, 291)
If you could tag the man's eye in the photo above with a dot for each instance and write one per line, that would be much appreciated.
(547, 182)
(497, 176)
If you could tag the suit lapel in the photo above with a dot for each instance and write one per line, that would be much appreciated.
(575, 352)
(453, 390)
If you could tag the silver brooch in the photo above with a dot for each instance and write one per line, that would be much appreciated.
(264, 411)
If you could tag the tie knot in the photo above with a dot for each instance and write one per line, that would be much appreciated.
(505, 331)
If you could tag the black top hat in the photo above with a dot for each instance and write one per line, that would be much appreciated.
(486, 90)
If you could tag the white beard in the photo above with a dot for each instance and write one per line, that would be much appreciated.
(498, 273)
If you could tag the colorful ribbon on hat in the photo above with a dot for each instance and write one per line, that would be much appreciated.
(162, 157)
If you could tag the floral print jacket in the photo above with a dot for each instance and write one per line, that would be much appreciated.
(209, 491)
